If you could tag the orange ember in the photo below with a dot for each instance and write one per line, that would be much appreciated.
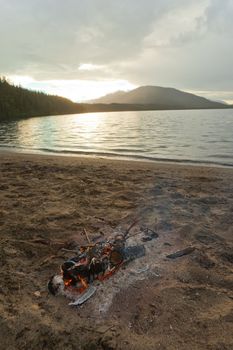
(67, 283)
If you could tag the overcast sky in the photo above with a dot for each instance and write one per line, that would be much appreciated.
(85, 48)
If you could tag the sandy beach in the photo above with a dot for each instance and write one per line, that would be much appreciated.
(183, 303)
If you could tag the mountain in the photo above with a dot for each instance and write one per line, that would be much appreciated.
(157, 97)
(16, 102)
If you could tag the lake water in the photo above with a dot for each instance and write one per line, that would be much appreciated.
(198, 136)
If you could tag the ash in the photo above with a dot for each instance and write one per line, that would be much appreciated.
(98, 278)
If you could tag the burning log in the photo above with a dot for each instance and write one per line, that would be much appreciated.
(94, 261)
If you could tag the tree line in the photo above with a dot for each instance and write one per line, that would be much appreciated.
(17, 102)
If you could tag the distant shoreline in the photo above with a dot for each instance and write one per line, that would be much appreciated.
(94, 108)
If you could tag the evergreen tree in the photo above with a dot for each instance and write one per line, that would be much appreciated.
(17, 102)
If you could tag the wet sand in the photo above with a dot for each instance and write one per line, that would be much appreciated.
(185, 303)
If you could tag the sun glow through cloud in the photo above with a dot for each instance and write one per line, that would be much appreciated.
(85, 90)
(75, 90)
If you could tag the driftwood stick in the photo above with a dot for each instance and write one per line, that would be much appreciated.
(26, 242)
(130, 227)
(49, 258)
(180, 253)
(36, 241)
(69, 250)
(87, 237)
(135, 234)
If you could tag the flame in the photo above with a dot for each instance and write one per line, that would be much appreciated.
(109, 273)
(67, 283)
(83, 282)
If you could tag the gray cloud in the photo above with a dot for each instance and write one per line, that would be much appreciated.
(181, 43)
(196, 56)
(40, 34)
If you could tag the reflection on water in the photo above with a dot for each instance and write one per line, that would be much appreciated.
(198, 136)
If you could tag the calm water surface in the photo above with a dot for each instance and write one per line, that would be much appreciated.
(204, 136)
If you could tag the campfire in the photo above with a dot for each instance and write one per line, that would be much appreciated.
(95, 262)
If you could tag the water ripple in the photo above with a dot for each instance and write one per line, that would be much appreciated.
(204, 136)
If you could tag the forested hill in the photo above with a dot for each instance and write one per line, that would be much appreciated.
(16, 102)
